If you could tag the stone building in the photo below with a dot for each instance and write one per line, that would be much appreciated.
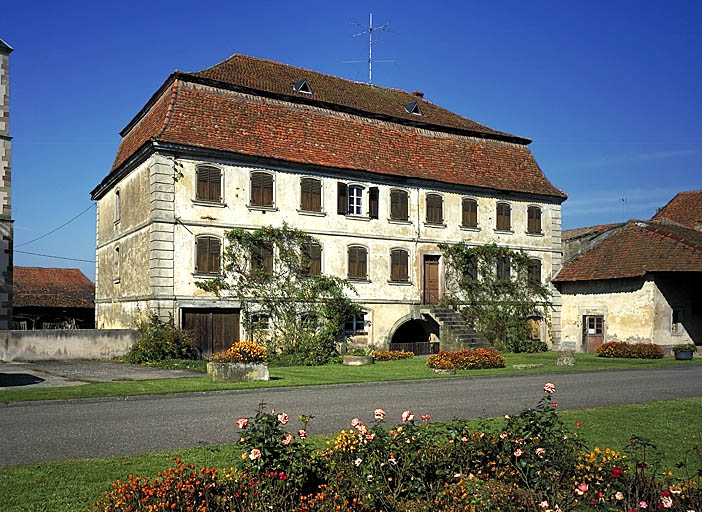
(380, 176)
(636, 281)
(6, 230)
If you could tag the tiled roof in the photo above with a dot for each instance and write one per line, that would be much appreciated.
(570, 234)
(212, 118)
(52, 287)
(273, 77)
(638, 248)
(685, 208)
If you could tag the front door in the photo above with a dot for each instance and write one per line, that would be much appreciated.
(214, 329)
(431, 279)
(593, 332)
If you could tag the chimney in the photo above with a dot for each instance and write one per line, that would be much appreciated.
(418, 94)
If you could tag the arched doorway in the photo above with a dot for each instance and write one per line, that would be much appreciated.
(420, 336)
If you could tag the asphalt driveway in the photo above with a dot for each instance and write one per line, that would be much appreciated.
(75, 373)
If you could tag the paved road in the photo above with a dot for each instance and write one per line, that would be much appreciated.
(35, 432)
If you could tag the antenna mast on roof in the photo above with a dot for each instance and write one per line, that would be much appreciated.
(370, 31)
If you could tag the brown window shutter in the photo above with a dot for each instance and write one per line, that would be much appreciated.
(362, 263)
(214, 255)
(434, 209)
(342, 207)
(534, 272)
(201, 260)
(353, 272)
(470, 213)
(373, 202)
(534, 219)
(395, 205)
(305, 194)
(503, 217)
(316, 194)
(267, 189)
(203, 178)
(314, 259)
(215, 185)
(399, 267)
(473, 267)
(267, 257)
(256, 189)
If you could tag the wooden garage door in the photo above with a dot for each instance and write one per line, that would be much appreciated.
(214, 329)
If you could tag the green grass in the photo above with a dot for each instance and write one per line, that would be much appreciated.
(673, 425)
(330, 374)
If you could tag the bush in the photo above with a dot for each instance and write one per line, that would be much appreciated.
(242, 352)
(392, 355)
(623, 349)
(467, 359)
(158, 340)
(526, 346)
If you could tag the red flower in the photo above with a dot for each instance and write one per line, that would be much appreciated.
(577, 424)
(616, 472)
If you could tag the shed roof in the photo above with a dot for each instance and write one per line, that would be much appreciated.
(685, 208)
(52, 287)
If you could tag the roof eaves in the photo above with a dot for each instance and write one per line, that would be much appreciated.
(152, 100)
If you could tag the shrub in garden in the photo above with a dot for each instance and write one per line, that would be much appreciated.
(467, 359)
(245, 351)
(623, 349)
(392, 355)
(526, 346)
(158, 340)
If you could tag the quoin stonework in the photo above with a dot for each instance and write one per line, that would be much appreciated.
(379, 176)
(6, 231)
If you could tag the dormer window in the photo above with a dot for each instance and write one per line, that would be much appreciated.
(413, 108)
(302, 86)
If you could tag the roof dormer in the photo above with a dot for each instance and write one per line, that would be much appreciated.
(302, 86)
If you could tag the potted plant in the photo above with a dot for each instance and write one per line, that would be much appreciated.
(359, 357)
(684, 352)
(244, 360)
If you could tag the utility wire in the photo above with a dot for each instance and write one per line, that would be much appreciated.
(55, 230)
(56, 257)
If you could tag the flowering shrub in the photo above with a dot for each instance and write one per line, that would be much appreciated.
(392, 355)
(242, 352)
(630, 350)
(467, 359)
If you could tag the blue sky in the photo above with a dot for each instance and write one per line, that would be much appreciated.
(608, 91)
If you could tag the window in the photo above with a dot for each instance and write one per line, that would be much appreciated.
(302, 86)
(118, 206)
(358, 259)
(503, 268)
(435, 209)
(356, 324)
(534, 219)
(311, 195)
(208, 250)
(116, 264)
(398, 205)
(534, 271)
(262, 260)
(413, 108)
(676, 326)
(472, 268)
(312, 254)
(504, 214)
(209, 184)
(373, 201)
(261, 189)
(399, 269)
(355, 200)
(469, 219)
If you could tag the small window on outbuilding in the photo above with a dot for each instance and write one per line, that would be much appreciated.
(209, 184)
(413, 108)
(302, 86)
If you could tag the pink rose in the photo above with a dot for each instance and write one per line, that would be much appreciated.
(667, 501)
(540, 452)
(356, 422)
(255, 454)
(379, 414)
(503, 436)
(581, 488)
(549, 388)
(283, 418)
(287, 439)
(643, 504)
(407, 416)
(242, 422)
(425, 417)
(302, 433)
(518, 452)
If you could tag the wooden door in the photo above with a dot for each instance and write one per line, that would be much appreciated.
(214, 329)
(593, 332)
(431, 279)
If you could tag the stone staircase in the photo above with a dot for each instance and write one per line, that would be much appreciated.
(456, 333)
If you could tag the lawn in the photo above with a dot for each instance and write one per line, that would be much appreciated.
(673, 425)
(330, 374)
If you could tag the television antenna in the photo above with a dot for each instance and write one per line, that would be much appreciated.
(369, 30)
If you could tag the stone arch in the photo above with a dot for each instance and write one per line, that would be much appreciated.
(414, 333)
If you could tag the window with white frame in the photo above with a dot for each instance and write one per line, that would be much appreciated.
(355, 200)
(356, 324)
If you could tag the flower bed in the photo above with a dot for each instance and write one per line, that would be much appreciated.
(242, 352)
(533, 462)
(392, 355)
(630, 350)
(466, 359)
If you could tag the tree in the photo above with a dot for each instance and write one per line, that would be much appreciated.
(493, 289)
(272, 273)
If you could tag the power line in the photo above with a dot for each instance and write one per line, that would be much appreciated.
(55, 230)
(55, 257)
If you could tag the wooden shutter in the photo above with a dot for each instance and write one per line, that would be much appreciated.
(503, 268)
(535, 272)
(398, 265)
(342, 207)
(203, 179)
(398, 205)
(267, 189)
(470, 213)
(473, 267)
(267, 259)
(534, 219)
(434, 209)
(373, 202)
(357, 262)
(256, 189)
(313, 256)
(215, 188)
(503, 217)
(214, 256)
(311, 194)
(202, 250)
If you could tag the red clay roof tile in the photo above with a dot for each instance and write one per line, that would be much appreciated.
(685, 208)
(52, 287)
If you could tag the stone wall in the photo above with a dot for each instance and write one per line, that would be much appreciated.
(65, 344)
